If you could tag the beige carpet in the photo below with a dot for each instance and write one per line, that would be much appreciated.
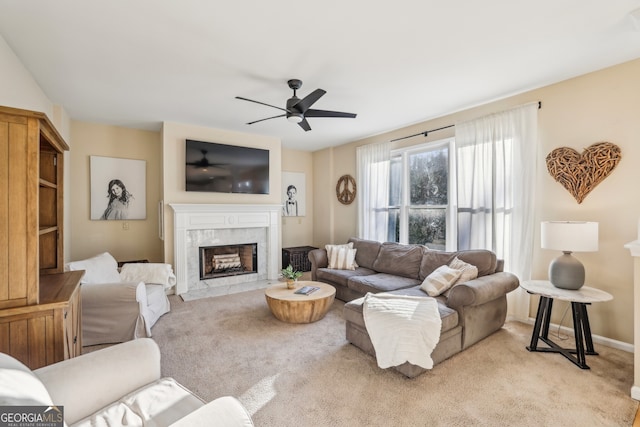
(309, 375)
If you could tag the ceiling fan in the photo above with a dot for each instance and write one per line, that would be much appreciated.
(204, 163)
(298, 110)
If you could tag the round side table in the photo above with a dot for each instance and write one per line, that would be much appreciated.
(579, 300)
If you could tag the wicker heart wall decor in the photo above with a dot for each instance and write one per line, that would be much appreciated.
(580, 173)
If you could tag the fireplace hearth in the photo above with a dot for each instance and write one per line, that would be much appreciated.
(228, 260)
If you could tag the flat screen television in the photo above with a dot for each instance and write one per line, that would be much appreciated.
(222, 168)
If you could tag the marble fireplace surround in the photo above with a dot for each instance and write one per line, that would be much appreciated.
(197, 225)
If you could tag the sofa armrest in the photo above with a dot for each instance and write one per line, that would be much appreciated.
(318, 259)
(482, 290)
(114, 294)
(87, 383)
(225, 411)
(112, 312)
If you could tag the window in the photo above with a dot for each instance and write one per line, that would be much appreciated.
(420, 199)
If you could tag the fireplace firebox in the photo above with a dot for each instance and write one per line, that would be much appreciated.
(228, 260)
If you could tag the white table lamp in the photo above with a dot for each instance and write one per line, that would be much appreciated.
(566, 271)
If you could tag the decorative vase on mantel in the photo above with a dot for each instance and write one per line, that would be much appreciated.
(291, 276)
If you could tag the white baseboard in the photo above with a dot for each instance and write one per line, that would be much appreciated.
(597, 339)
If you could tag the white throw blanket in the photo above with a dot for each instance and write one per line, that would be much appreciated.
(402, 328)
(161, 274)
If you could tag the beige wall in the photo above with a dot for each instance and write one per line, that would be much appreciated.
(600, 106)
(323, 197)
(173, 164)
(141, 240)
(298, 231)
(334, 222)
(18, 89)
(89, 237)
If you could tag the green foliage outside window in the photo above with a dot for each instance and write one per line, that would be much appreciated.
(428, 198)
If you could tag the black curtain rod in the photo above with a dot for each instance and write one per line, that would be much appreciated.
(427, 132)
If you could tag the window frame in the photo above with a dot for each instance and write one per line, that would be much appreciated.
(405, 206)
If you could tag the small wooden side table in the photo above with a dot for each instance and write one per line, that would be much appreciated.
(579, 300)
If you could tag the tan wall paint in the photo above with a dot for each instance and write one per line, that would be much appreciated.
(298, 231)
(89, 237)
(18, 89)
(323, 194)
(600, 106)
(173, 164)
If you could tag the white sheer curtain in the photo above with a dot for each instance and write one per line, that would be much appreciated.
(496, 170)
(373, 162)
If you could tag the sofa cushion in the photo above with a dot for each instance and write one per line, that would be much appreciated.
(367, 251)
(398, 259)
(101, 268)
(380, 282)
(353, 310)
(440, 280)
(19, 386)
(432, 260)
(485, 260)
(159, 403)
(340, 277)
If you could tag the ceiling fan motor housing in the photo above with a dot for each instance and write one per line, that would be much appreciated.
(293, 114)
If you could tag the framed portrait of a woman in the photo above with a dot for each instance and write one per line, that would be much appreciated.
(118, 188)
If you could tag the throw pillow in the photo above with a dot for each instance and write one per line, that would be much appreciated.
(101, 268)
(342, 257)
(469, 271)
(441, 279)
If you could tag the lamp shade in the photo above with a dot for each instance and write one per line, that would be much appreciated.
(570, 236)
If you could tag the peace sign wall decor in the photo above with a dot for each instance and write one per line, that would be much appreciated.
(346, 189)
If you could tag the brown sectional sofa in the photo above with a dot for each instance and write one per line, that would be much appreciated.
(469, 311)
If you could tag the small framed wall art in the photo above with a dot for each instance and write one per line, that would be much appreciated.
(293, 193)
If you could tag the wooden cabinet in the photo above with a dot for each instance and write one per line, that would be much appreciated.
(36, 297)
(50, 331)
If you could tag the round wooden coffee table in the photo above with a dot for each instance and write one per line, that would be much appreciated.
(290, 307)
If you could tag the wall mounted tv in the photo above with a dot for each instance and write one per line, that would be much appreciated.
(223, 168)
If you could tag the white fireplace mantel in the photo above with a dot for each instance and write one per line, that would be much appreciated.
(192, 216)
(634, 248)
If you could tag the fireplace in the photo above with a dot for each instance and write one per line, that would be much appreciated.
(228, 260)
(199, 226)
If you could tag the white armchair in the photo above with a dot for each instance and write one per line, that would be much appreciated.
(119, 306)
(118, 385)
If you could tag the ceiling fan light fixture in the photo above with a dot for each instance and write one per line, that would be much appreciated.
(295, 118)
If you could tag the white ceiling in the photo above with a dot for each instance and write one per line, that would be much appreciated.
(394, 63)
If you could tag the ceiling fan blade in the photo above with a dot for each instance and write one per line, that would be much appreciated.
(304, 124)
(268, 118)
(306, 102)
(261, 103)
(325, 113)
